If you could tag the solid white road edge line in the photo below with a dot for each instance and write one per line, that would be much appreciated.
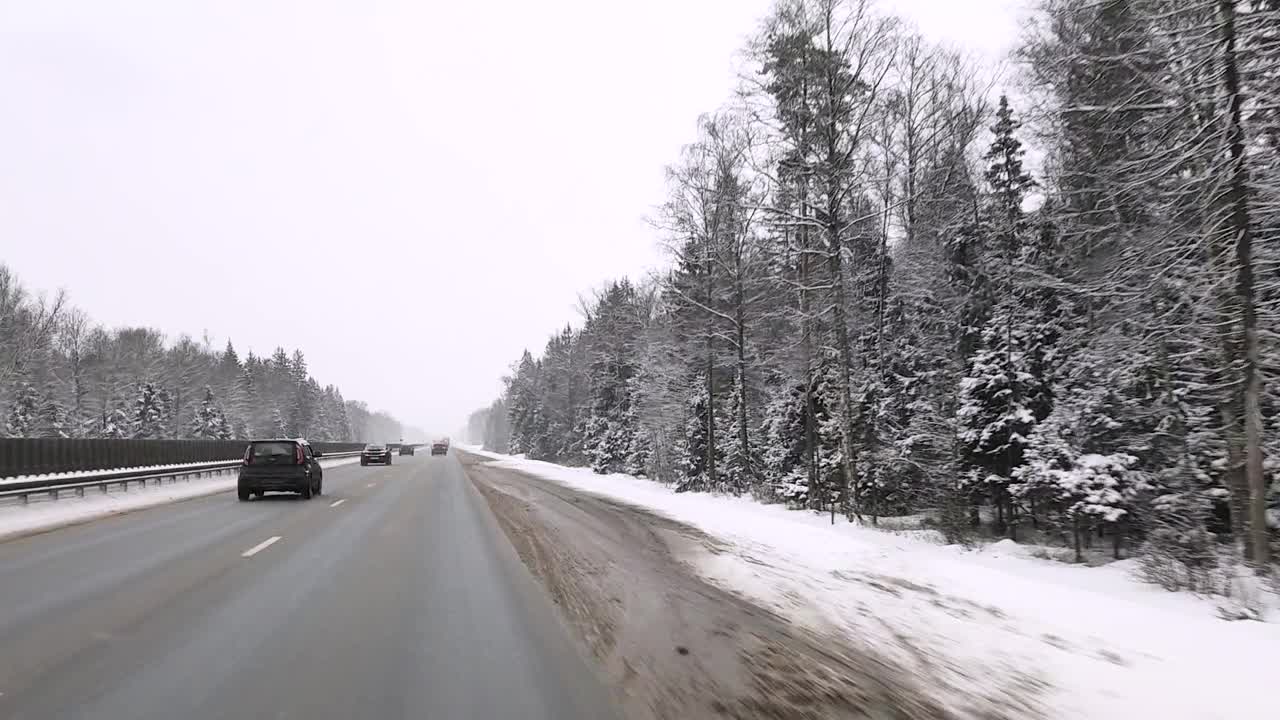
(336, 504)
(260, 546)
(371, 485)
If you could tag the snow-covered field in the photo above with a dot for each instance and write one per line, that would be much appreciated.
(43, 515)
(982, 626)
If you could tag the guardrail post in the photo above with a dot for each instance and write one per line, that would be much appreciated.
(80, 491)
(53, 494)
(103, 488)
(23, 498)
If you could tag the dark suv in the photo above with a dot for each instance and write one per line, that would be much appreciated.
(280, 466)
(375, 453)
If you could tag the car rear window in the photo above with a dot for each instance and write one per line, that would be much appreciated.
(269, 450)
(372, 447)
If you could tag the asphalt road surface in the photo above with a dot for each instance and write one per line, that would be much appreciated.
(393, 595)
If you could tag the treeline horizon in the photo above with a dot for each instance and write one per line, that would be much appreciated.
(62, 375)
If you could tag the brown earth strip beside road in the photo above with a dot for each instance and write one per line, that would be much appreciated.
(671, 644)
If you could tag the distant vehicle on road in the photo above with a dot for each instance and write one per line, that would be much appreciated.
(440, 447)
(375, 453)
(406, 449)
(280, 465)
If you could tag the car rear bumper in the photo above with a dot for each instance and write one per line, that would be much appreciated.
(382, 459)
(274, 484)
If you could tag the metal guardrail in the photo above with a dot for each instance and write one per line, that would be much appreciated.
(54, 487)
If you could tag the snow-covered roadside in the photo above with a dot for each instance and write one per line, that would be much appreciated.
(1099, 643)
(78, 474)
(16, 520)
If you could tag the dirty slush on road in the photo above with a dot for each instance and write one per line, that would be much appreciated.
(670, 644)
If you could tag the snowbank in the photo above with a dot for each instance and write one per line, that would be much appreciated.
(79, 474)
(44, 515)
(981, 625)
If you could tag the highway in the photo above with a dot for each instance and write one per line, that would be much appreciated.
(393, 595)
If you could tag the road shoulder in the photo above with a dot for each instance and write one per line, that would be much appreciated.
(671, 644)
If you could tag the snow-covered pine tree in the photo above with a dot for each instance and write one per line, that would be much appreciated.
(339, 421)
(742, 465)
(1006, 390)
(1078, 463)
(23, 419)
(786, 451)
(613, 333)
(149, 412)
(209, 422)
(115, 425)
(279, 426)
(700, 414)
(523, 408)
(301, 420)
(54, 422)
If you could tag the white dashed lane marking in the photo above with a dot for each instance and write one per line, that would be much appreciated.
(260, 546)
(336, 504)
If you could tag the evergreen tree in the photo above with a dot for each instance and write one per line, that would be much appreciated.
(24, 413)
(279, 428)
(209, 421)
(115, 425)
(742, 466)
(230, 361)
(54, 422)
(785, 446)
(700, 415)
(1006, 391)
(302, 417)
(149, 409)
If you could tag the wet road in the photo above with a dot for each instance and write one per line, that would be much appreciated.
(394, 595)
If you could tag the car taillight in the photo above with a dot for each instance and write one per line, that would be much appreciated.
(248, 455)
(298, 458)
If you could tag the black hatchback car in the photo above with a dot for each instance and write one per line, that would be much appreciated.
(280, 465)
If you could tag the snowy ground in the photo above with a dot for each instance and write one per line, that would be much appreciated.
(44, 514)
(1092, 643)
(78, 474)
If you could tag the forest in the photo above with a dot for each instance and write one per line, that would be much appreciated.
(1038, 307)
(61, 375)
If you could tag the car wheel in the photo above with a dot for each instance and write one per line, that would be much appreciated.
(244, 494)
(363, 462)
(320, 488)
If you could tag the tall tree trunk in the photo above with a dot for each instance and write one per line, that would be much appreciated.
(712, 480)
(806, 343)
(744, 441)
(839, 312)
(1239, 226)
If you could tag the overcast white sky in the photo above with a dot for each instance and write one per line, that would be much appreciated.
(409, 191)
